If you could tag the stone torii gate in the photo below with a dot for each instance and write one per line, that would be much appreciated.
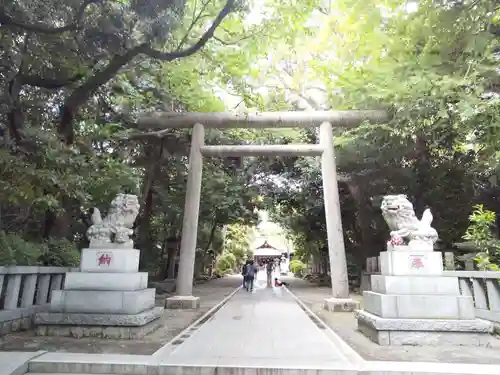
(161, 122)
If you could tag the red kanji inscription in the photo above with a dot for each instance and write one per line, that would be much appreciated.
(104, 259)
(417, 263)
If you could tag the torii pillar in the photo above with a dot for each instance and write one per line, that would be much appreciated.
(184, 283)
(340, 300)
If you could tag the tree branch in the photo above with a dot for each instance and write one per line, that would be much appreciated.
(48, 83)
(195, 20)
(234, 42)
(241, 38)
(171, 56)
(8, 21)
(81, 94)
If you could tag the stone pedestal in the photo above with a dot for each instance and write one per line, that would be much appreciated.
(108, 298)
(341, 304)
(182, 302)
(411, 303)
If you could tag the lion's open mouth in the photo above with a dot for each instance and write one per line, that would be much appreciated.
(392, 208)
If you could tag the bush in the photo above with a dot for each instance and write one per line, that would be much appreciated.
(14, 250)
(60, 252)
(225, 264)
(297, 267)
(481, 234)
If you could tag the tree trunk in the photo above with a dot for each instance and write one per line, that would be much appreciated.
(207, 246)
(171, 255)
(147, 206)
(144, 230)
(59, 225)
(363, 219)
(422, 172)
(172, 249)
(324, 262)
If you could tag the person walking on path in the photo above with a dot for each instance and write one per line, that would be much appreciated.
(269, 272)
(244, 272)
(251, 271)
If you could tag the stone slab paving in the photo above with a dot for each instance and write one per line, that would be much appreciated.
(258, 329)
(174, 321)
(345, 326)
(15, 363)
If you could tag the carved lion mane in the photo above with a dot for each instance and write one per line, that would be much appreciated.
(124, 209)
(118, 223)
(400, 217)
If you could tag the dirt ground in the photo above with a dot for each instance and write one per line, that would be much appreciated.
(345, 325)
(175, 321)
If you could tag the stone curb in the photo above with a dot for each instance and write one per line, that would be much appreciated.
(169, 347)
(109, 364)
(83, 363)
(345, 349)
(426, 368)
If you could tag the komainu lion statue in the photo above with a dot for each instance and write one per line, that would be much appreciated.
(116, 227)
(399, 215)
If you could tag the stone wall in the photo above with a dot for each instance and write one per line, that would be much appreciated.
(25, 290)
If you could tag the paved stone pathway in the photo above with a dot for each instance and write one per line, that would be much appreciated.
(261, 329)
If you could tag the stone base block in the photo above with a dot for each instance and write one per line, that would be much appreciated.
(341, 304)
(182, 302)
(115, 333)
(401, 263)
(19, 319)
(81, 319)
(424, 332)
(109, 260)
(432, 285)
(106, 281)
(419, 306)
(102, 302)
(99, 325)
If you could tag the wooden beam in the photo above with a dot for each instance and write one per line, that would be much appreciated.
(268, 150)
(169, 120)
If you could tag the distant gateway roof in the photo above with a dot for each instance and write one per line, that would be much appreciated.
(267, 250)
(266, 245)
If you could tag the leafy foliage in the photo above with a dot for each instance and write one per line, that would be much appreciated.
(14, 250)
(481, 234)
(235, 251)
(297, 267)
(226, 263)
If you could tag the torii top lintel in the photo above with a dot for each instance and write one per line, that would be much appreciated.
(170, 120)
